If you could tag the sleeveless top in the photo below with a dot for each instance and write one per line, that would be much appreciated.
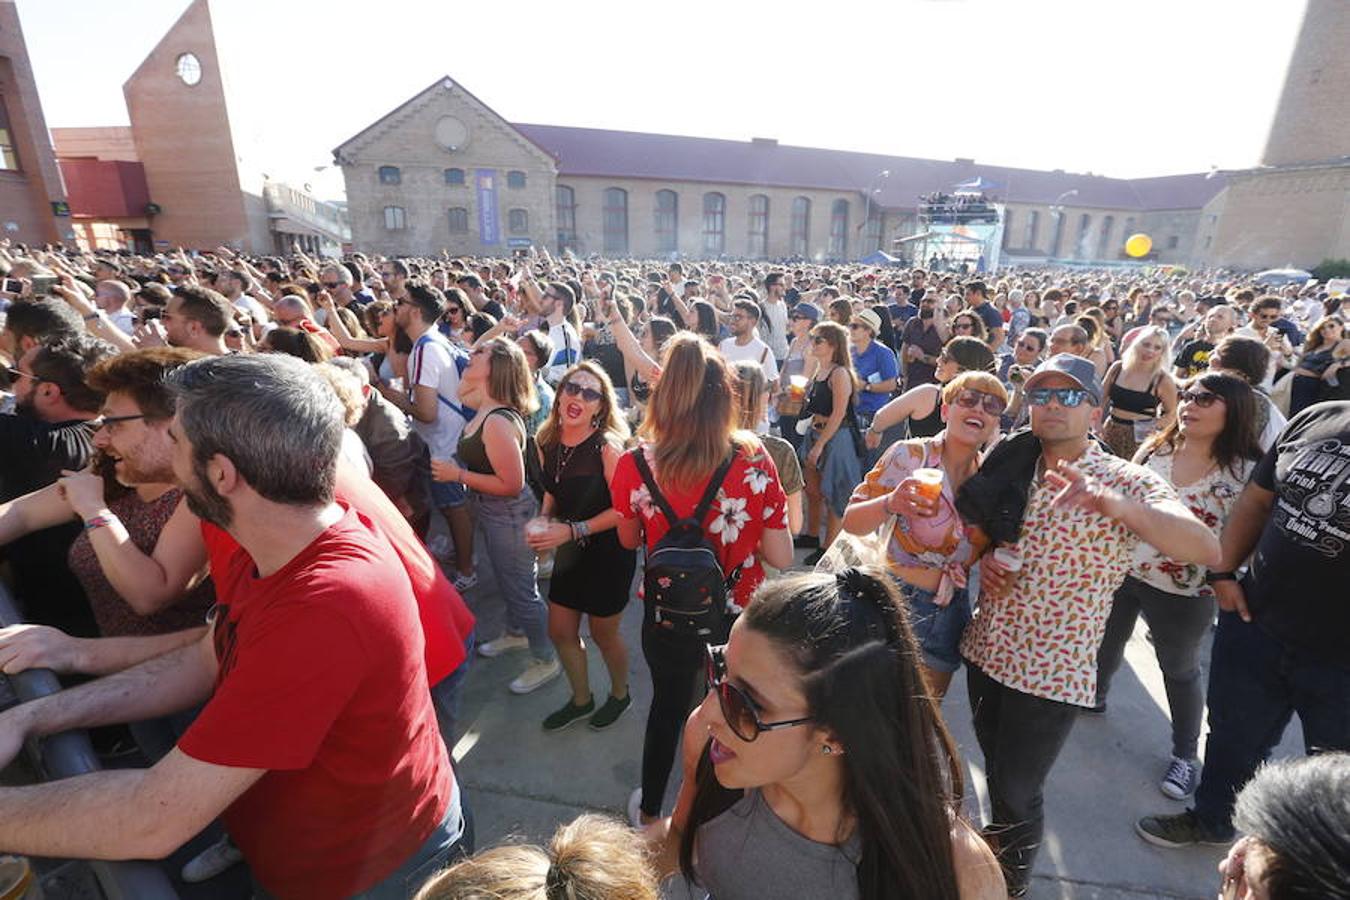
(748, 853)
(115, 617)
(1143, 403)
(473, 454)
(820, 399)
(930, 424)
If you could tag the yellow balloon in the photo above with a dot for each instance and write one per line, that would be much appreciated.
(1138, 245)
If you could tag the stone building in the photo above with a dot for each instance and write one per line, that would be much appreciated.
(32, 197)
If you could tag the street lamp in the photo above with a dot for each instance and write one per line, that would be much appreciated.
(1057, 210)
(873, 188)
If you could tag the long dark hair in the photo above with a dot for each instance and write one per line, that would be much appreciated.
(853, 650)
(706, 326)
(1236, 442)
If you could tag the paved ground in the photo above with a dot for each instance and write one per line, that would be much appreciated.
(523, 782)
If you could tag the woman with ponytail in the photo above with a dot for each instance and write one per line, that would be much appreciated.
(817, 766)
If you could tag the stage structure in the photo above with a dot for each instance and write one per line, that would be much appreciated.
(958, 231)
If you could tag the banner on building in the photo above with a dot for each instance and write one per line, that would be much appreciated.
(489, 228)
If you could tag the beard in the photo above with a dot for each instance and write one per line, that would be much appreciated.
(205, 502)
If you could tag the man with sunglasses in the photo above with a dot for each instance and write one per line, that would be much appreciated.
(1265, 313)
(1031, 649)
(922, 340)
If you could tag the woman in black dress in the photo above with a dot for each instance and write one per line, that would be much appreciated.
(579, 446)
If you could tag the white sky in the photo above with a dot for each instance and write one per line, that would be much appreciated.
(1136, 88)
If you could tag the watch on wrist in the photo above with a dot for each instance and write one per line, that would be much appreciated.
(1212, 577)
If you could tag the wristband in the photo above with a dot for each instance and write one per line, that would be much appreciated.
(1211, 577)
(99, 521)
(91, 317)
(581, 529)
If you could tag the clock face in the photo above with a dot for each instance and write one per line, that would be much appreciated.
(189, 69)
(451, 133)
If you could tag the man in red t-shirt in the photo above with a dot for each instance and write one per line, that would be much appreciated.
(318, 743)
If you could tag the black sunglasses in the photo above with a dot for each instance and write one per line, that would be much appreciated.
(590, 395)
(113, 420)
(737, 707)
(16, 374)
(818, 339)
(1202, 399)
(972, 398)
(331, 285)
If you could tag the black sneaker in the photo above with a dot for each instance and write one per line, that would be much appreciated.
(608, 714)
(1180, 830)
(813, 558)
(568, 715)
(805, 542)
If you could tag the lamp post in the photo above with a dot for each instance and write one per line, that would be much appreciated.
(1057, 210)
(873, 188)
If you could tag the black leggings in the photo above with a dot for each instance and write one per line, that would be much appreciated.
(678, 667)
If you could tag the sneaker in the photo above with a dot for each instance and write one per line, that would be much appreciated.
(608, 714)
(212, 861)
(1174, 832)
(537, 674)
(805, 542)
(813, 558)
(635, 808)
(463, 582)
(568, 715)
(506, 642)
(1182, 778)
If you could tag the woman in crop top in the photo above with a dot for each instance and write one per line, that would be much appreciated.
(1324, 353)
(828, 454)
(814, 732)
(1141, 396)
(929, 549)
(491, 464)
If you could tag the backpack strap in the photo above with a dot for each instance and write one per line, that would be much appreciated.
(640, 458)
(430, 337)
(714, 485)
(704, 503)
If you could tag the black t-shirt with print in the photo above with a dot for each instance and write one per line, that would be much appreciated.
(1193, 357)
(1296, 588)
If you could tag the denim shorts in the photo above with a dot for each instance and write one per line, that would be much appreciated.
(448, 494)
(937, 629)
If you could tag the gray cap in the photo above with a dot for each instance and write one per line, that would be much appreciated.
(1073, 367)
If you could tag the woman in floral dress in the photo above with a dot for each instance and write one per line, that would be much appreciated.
(1206, 453)
(689, 431)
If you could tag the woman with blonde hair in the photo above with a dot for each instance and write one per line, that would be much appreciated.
(930, 549)
(579, 446)
(829, 455)
(490, 463)
(1141, 395)
(693, 457)
(1324, 353)
(590, 858)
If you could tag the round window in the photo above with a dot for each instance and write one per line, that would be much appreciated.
(189, 69)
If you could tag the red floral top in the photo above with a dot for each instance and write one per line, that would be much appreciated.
(1040, 636)
(750, 501)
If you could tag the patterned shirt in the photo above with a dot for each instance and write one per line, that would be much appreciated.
(750, 501)
(1041, 635)
(931, 541)
(1210, 500)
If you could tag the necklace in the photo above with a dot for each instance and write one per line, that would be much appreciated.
(565, 456)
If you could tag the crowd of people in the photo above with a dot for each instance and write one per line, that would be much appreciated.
(244, 500)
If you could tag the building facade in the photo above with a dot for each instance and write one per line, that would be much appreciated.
(33, 206)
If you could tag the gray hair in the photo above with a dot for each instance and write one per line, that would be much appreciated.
(295, 303)
(275, 418)
(340, 271)
(353, 367)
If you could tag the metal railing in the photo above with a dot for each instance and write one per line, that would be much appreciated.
(68, 754)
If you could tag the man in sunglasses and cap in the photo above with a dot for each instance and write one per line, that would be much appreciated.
(1047, 586)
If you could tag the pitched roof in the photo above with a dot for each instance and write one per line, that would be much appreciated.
(627, 154)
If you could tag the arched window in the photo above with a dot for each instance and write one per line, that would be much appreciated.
(1007, 228)
(615, 217)
(515, 179)
(518, 221)
(454, 176)
(839, 229)
(394, 218)
(1033, 229)
(565, 199)
(801, 226)
(1080, 247)
(390, 175)
(759, 226)
(714, 223)
(1104, 244)
(667, 222)
(459, 219)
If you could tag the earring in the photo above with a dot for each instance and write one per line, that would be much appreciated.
(827, 749)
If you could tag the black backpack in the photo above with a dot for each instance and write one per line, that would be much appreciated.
(683, 582)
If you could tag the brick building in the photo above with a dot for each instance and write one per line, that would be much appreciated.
(32, 197)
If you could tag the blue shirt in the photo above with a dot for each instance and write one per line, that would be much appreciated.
(875, 364)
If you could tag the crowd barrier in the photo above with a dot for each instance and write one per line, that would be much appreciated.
(68, 754)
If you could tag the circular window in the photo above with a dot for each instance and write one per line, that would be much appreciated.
(189, 69)
(451, 133)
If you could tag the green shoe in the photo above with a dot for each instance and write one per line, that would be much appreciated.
(608, 714)
(568, 715)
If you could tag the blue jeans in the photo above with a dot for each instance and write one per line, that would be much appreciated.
(937, 629)
(1256, 683)
(445, 695)
(502, 521)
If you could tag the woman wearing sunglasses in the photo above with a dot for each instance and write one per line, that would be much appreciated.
(578, 447)
(1206, 453)
(930, 549)
(815, 767)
